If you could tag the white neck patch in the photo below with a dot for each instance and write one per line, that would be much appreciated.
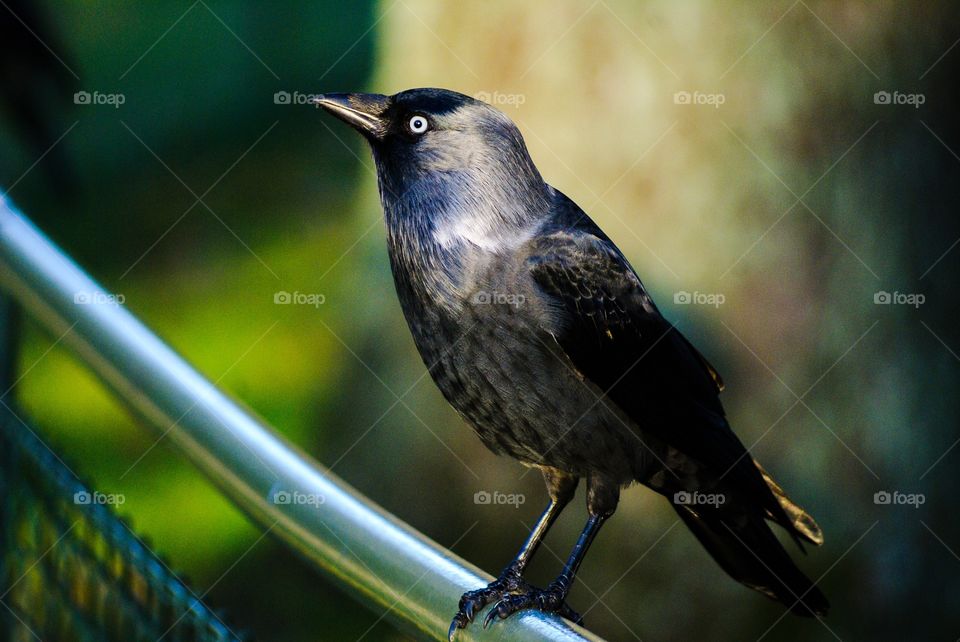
(480, 232)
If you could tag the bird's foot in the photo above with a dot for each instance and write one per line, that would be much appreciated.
(472, 602)
(552, 600)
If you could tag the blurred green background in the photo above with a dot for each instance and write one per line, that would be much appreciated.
(798, 198)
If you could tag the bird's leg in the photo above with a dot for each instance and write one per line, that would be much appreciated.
(561, 488)
(602, 498)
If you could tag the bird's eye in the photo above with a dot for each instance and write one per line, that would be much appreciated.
(418, 124)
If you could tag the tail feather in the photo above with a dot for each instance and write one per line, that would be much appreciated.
(801, 523)
(748, 551)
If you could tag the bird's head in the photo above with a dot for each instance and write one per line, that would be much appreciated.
(443, 143)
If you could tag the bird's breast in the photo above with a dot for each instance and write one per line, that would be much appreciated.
(484, 337)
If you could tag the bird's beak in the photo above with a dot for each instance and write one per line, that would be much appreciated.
(363, 112)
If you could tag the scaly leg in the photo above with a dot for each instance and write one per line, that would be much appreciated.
(602, 498)
(561, 488)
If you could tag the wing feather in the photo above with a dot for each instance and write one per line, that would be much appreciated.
(616, 337)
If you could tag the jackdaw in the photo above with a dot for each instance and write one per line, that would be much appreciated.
(541, 335)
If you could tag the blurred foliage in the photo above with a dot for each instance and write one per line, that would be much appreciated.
(701, 199)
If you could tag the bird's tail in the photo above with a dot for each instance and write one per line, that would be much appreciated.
(748, 551)
(798, 521)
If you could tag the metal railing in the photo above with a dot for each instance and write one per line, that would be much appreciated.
(372, 554)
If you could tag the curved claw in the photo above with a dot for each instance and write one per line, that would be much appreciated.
(468, 610)
(463, 617)
(457, 623)
(493, 614)
(510, 605)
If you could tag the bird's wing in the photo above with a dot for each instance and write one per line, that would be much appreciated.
(613, 334)
(610, 326)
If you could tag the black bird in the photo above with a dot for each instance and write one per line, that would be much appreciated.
(540, 334)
